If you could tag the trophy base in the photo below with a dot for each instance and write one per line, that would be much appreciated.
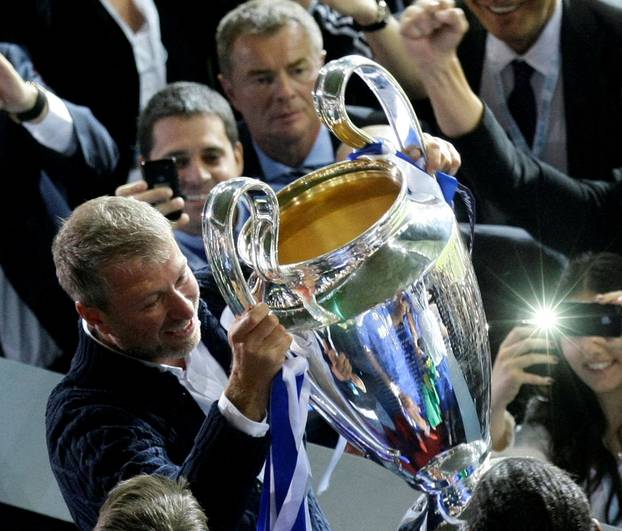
(447, 483)
(421, 516)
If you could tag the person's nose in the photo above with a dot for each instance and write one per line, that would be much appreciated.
(284, 86)
(181, 306)
(194, 174)
(593, 346)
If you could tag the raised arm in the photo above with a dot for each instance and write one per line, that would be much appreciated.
(386, 43)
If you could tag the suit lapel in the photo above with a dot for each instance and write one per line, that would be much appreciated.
(214, 338)
(580, 83)
(252, 168)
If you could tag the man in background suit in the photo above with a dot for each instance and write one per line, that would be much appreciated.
(112, 55)
(573, 49)
(270, 54)
(582, 131)
(43, 140)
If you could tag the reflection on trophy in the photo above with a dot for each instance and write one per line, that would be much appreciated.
(362, 262)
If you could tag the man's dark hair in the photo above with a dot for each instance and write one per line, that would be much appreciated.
(520, 493)
(183, 99)
(588, 272)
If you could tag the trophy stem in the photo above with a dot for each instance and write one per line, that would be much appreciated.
(420, 516)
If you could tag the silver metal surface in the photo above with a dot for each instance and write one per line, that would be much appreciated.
(329, 101)
(391, 321)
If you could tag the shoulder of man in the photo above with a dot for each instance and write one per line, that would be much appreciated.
(601, 15)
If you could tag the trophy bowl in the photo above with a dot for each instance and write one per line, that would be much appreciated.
(363, 263)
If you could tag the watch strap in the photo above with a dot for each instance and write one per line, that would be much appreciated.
(382, 19)
(36, 110)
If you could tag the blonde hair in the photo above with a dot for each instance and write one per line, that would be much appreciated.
(102, 232)
(151, 503)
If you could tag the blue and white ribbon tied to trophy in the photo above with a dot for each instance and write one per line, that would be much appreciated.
(363, 263)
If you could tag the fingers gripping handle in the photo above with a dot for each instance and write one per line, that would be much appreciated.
(219, 216)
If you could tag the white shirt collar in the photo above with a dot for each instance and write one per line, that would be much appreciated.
(499, 55)
(149, 52)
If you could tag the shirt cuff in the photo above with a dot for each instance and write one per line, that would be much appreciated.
(239, 421)
(56, 130)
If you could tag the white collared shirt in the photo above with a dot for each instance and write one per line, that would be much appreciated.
(544, 57)
(56, 130)
(149, 52)
(205, 380)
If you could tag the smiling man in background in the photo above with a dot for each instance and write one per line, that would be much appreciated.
(547, 69)
(195, 125)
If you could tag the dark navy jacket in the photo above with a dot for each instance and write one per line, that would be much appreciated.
(112, 418)
(27, 226)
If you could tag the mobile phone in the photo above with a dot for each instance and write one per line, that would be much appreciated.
(163, 172)
(589, 319)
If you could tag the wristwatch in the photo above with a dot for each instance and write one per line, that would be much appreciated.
(36, 110)
(382, 18)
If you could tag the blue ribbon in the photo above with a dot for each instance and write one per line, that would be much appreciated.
(448, 183)
(283, 505)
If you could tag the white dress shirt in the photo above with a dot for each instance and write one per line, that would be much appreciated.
(149, 52)
(205, 380)
(544, 57)
(56, 130)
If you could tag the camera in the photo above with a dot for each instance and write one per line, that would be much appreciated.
(589, 319)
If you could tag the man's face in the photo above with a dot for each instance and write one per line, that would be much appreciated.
(204, 158)
(518, 23)
(152, 308)
(270, 84)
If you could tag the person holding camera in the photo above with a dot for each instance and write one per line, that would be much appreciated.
(575, 418)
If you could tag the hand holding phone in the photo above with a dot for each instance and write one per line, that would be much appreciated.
(163, 172)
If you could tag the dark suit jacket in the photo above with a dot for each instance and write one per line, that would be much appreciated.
(112, 418)
(567, 214)
(591, 51)
(27, 228)
(85, 57)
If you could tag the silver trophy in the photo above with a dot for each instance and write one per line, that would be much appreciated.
(363, 263)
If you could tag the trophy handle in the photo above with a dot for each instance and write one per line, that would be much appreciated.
(329, 101)
(219, 216)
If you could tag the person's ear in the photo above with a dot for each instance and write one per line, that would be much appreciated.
(227, 87)
(238, 154)
(93, 316)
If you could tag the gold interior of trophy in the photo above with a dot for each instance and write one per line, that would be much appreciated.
(333, 213)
